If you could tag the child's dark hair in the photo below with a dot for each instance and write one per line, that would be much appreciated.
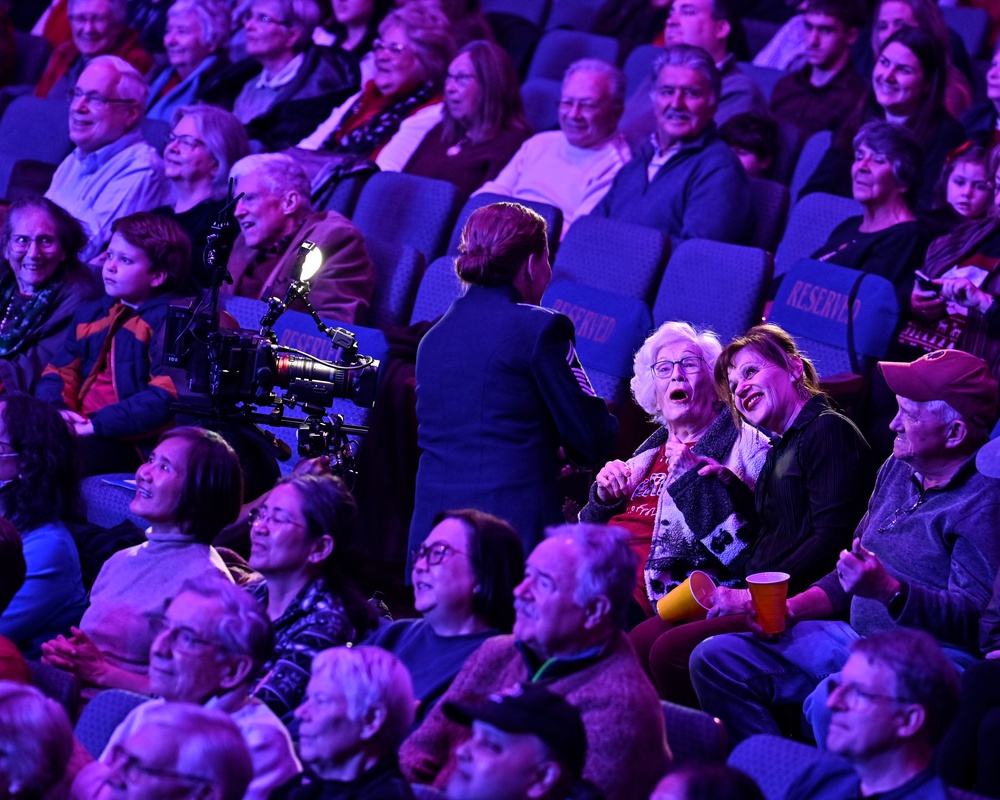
(163, 241)
(755, 133)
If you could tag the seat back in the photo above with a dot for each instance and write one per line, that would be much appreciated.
(812, 305)
(407, 209)
(56, 683)
(812, 153)
(789, 146)
(106, 500)
(246, 310)
(764, 77)
(535, 11)
(439, 288)
(694, 736)
(639, 66)
(553, 218)
(770, 205)
(557, 49)
(776, 764)
(972, 26)
(810, 224)
(758, 32)
(610, 329)
(155, 132)
(32, 56)
(397, 272)
(105, 712)
(32, 129)
(541, 103)
(715, 285)
(578, 15)
(614, 256)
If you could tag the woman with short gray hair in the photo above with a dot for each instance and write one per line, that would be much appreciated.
(195, 43)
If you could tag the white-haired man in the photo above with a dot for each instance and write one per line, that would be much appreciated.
(275, 216)
(570, 612)
(113, 172)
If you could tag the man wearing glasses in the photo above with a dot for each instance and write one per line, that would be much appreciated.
(924, 556)
(208, 646)
(98, 29)
(113, 172)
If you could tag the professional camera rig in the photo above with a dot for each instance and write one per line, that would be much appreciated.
(238, 370)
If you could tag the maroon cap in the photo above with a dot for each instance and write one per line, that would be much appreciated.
(962, 380)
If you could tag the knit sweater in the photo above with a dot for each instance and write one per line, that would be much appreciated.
(626, 739)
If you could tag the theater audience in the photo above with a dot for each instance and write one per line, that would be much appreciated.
(13, 570)
(891, 704)
(817, 96)
(275, 216)
(36, 740)
(287, 85)
(42, 287)
(528, 743)
(389, 117)
(684, 181)
(201, 150)
(570, 610)
(959, 310)
(573, 167)
(188, 490)
(208, 646)
(108, 381)
(754, 139)
(358, 709)
(808, 498)
(179, 751)
(710, 25)
(964, 190)
(907, 89)
(352, 31)
(679, 519)
(483, 124)
(294, 537)
(195, 42)
(38, 471)
(98, 29)
(463, 577)
(924, 556)
(886, 239)
(982, 120)
(113, 171)
(500, 388)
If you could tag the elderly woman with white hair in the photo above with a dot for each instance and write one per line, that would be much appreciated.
(194, 40)
(359, 707)
(201, 149)
(286, 86)
(676, 496)
(36, 741)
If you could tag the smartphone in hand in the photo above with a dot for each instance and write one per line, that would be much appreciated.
(925, 283)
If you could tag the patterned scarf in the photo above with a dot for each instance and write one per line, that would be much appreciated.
(374, 119)
(20, 318)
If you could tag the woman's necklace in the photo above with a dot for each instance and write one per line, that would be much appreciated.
(456, 148)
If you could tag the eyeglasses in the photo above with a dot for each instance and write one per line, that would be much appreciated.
(97, 20)
(20, 243)
(263, 19)
(190, 142)
(435, 553)
(134, 770)
(854, 697)
(461, 78)
(567, 103)
(181, 637)
(393, 47)
(259, 515)
(687, 365)
(898, 514)
(94, 99)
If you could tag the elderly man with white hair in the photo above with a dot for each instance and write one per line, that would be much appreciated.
(113, 172)
(358, 708)
(208, 647)
(570, 612)
(98, 29)
(181, 751)
(275, 217)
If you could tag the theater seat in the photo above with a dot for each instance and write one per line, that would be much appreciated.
(552, 216)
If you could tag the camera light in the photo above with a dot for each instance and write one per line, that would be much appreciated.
(311, 258)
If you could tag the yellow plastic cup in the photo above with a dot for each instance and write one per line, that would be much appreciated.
(768, 593)
(688, 600)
